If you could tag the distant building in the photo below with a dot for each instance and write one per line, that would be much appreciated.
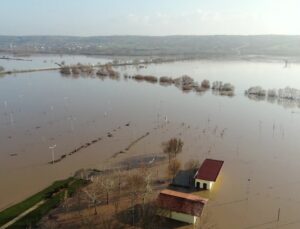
(180, 206)
(208, 174)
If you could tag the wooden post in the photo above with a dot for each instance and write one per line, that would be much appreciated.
(278, 215)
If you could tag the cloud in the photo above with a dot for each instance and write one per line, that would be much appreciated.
(281, 19)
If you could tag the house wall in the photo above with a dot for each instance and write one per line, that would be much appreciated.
(209, 184)
(183, 217)
(179, 216)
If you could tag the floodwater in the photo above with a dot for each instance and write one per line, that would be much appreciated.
(259, 186)
(48, 61)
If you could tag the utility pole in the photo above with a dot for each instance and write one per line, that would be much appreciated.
(52, 151)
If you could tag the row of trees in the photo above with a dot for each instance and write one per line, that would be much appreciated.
(128, 193)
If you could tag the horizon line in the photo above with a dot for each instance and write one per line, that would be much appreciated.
(126, 35)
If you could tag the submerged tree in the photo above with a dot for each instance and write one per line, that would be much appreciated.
(65, 70)
(173, 147)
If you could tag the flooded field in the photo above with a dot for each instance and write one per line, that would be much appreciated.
(46, 61)
(258, 140)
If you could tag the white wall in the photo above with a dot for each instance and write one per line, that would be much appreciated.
(183, 217)
(178, 216)
(209, 184)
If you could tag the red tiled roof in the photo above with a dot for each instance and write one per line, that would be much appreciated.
(181, 202)
(209, 170)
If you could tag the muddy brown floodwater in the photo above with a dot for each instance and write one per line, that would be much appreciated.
(258, 140)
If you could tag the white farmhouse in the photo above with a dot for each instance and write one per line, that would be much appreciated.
(207, 174)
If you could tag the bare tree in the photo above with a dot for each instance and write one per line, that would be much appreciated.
(117, 190)
(107, 184)
(173, 168)
(173, 147)
(93, 197)
(192, 164)
(135, 183)
(138, 185)
(100, 190)
(78, 201)
(149, 218)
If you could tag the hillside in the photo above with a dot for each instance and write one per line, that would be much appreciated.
(202, 46)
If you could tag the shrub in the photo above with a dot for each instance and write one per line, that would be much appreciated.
(151, 79)
(138, 77)
(166, 80)
(205, 84)
(75, 70)
(65, 70)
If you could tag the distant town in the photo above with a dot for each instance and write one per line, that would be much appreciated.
(181, 46)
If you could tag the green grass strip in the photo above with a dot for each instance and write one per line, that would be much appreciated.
(15, 210)
(32, 218)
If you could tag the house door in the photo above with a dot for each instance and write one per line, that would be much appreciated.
(198, 185)
(204, 186)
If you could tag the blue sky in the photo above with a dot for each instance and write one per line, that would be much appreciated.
(155, 17)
